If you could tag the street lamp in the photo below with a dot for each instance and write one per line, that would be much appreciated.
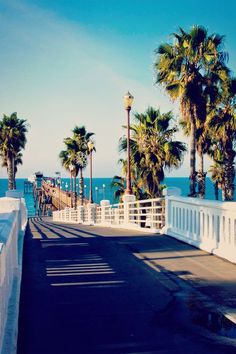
(58, 173)
(103, 191)
(85, 190)
(96, 192)
(72, 168)
(91, 148)
(66, 186)
(128, 100)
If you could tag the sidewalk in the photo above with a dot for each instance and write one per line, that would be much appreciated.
(180, 266)
(93, 290)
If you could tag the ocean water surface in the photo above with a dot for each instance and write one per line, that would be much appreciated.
(102, 189)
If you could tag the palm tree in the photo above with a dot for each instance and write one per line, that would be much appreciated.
(118, 183)
(218, 175)
(82, 137)
(18, 161)
(203, 144)
(12, 140)
(184, 69)
(69, 161)
(153, 148)
(222, 122)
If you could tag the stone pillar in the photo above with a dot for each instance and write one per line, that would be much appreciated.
(168, 192)
(91, 213)
(104, 204)
(127, 198)
(80, 214)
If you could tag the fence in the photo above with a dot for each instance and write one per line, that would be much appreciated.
(208, 225)
(142, 214)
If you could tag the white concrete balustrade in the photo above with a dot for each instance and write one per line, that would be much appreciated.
(147, 215)
(208, 225)
(13, 220)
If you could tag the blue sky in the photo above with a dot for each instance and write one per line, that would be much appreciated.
(70, 62)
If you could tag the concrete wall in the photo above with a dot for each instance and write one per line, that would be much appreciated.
(13, 220)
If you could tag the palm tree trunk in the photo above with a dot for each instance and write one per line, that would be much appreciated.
(10, 170)
(75, 194)
(229, 176)
(71, 183)
(223, 192)
(14, 169)
(81, 187)
(192, 144)
(201, 176)
(216, 187)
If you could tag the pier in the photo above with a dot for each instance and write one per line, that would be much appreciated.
(49, 197)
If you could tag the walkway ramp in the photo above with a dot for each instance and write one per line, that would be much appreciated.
(100, 290)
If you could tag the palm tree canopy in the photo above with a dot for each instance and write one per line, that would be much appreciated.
(153, 148)
(77, 147)
(12, 135)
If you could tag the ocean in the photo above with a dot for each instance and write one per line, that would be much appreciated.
(102, 189)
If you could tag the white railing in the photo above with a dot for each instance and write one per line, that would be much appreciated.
(13, 220)
(147, 213)
(208, 225)
(143, 214)
(8, 265)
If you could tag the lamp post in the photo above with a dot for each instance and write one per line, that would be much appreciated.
(85, 191)
(128, 100)
(103, 191)
(71, 168)
(96, 191)
(59, 188)
(91, 149)
(66, 186)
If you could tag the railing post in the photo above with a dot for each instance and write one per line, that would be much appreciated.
(168, 192)
(127, 198)
(104, 204)
(80, 214)
(91, 213)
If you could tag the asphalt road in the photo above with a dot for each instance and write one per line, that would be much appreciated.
(86, 290)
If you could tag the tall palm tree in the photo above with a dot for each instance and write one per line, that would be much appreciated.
(69, 161)
(82, 137)
(18, 161)
(222, 122)
(12, 140)
(218, 175)
(203, 144)
(118, 183)
(153, 148)
(184, 68)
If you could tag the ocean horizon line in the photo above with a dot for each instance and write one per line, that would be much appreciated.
(110, 177)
